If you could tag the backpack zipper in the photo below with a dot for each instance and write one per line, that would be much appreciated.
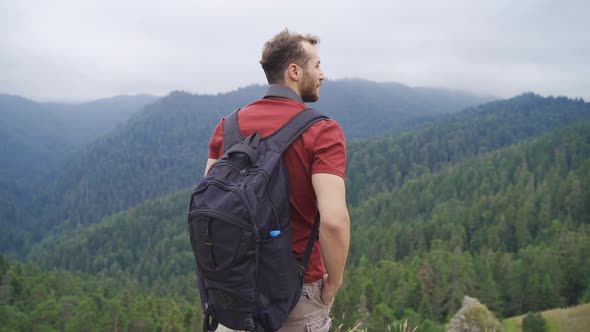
(236, 190)
(242, 171)
(234, 220)
(231, 186)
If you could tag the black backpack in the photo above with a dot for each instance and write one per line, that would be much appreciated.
(240, 231)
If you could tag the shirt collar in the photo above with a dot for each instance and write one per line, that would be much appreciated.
(281, 91)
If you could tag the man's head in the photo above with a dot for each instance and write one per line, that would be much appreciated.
(293, 60)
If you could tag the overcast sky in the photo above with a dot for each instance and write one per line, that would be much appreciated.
(88, 49)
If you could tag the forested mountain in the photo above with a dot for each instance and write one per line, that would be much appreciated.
(522, 194)
(508, 226)
(367, 109)
(489, 202)
(163, 148)
(148, 242)
(378, 165)
(36, 139)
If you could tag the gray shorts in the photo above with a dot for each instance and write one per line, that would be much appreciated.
(309, 314)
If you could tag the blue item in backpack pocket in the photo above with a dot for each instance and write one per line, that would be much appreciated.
(274, 233)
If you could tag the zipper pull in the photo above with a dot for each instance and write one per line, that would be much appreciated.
(244, 172)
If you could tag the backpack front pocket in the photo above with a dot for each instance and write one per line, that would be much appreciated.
(221, 242)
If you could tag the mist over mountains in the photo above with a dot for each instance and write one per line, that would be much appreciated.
(39, 137)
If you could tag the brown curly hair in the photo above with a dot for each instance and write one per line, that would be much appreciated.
(281, 51)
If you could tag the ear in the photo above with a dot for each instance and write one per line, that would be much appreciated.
(294, 72)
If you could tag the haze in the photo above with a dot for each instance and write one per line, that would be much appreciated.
(80, 50)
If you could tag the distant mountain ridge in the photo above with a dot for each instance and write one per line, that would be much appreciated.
(36, 139)
(163, 148)
(377, 165)
(365, 108)
(40, 136)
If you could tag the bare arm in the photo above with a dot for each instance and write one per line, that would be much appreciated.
(334, 229)
(208, 165)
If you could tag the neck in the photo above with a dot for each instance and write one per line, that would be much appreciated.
(293, 86)
(283, 91)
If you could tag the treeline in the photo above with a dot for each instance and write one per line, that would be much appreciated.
(57, 300)
(379, 165)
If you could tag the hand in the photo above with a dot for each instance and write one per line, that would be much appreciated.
(329, 290)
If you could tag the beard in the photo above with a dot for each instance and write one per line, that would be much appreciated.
(309, 90)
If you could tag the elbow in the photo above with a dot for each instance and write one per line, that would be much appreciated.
(335, 223)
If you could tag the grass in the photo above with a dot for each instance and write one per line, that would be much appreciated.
(390, 328)
(558, 320)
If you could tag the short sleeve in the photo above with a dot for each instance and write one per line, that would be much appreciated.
(329, 150)
(216, 142)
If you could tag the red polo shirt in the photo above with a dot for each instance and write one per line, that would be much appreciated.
(320, 149)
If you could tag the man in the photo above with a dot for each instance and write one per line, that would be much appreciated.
(315, 162)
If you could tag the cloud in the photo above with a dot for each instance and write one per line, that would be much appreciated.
(89, 49)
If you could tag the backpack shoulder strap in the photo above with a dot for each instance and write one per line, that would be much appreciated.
(281, 139)
(231, 131)
(309, 247)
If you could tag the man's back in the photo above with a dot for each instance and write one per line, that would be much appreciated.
(320, 149)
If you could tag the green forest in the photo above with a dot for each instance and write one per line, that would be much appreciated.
(158, 150)
(489, 202)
